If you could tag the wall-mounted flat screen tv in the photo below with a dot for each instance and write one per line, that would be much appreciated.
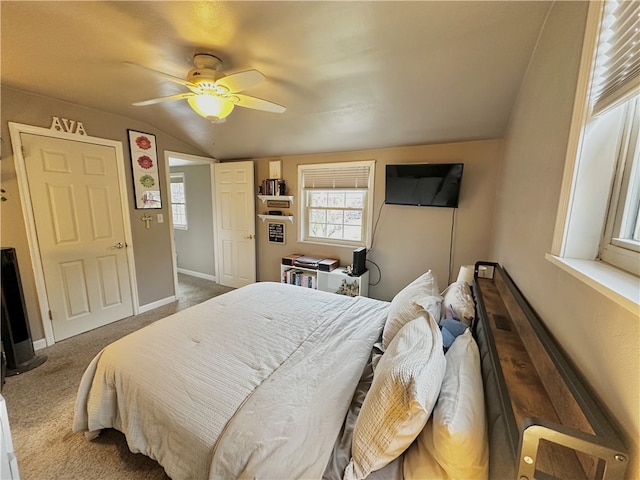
(424, 184)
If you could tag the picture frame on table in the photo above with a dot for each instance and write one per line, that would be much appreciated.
(144, 166)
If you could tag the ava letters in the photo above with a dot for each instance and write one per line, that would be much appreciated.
(67, 126)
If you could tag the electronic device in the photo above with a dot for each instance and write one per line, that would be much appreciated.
(359, 261)
(307, 262)
(328, 264)
(423, 184)
(289, 259)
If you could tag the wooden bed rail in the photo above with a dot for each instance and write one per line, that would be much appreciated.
(552, 423)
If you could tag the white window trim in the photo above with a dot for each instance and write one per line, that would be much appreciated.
(616, 284)
(621, 252)
(179, 226)
(368, 217)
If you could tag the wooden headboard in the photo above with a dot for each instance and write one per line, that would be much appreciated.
(543, 421)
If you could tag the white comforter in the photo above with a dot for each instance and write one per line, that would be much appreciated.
(254, 383)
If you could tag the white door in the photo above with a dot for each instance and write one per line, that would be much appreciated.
(235, 216)
(76, 202)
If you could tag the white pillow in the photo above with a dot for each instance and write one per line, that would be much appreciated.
(457, 297)
(431, 304)
(404, 308)
(456, 436)
(404, 390)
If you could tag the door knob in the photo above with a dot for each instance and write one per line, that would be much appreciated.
(120, 245)
(250, 236)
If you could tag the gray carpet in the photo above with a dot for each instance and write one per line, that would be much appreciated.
(40, 404)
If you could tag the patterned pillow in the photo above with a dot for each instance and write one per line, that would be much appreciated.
(405, 387)
(406, 305)
(457, 299)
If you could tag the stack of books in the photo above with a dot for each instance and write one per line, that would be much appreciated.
(273, 186)
(301, 278)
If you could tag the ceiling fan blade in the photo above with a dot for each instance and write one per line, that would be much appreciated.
(258, 104)
(236, 82)
(177, 80)
(153, 101)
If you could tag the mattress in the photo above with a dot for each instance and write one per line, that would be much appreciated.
(253, 383)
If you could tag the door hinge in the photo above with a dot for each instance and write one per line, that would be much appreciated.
(50, 315)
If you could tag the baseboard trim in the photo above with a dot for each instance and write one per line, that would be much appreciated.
(39, 344)
(191, 273)
(159, 303)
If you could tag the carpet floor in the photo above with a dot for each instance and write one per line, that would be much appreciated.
(40, 404)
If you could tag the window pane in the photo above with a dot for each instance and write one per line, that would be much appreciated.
(354, 200)
(334, 231)
(179, 214)
(336, 199)
(630, 225)
(352, 233)
(177, 192)
(335, 216)
(317, 216)
(318, 199)
(353, 217)
(318, 230)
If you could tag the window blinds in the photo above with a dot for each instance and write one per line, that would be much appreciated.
(338, 175)
(617, 66)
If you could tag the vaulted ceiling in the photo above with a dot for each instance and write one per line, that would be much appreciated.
(353, 75)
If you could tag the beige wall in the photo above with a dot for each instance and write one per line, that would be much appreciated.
(152, 248)
(408, 240)
(599, 336)
(195, 246)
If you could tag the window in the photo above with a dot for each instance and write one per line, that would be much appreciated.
(616, 86)
(178, 201)
(596, 237)
(336, 203)
(621, 242)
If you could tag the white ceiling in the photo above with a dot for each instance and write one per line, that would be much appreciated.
(353, 75)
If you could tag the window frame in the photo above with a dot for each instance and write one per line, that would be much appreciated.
(615, 249)
(575, 250)
(182, 180)
(304, 235)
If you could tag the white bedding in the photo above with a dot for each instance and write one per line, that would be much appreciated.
(254, 383)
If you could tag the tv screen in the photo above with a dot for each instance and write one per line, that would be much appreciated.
(424, 184)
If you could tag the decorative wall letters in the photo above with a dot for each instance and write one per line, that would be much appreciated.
(67, 126)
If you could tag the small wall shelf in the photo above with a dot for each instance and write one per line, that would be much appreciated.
(276, 217)
(264, 198)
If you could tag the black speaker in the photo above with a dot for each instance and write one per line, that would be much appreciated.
(16, 335)
(359, 261)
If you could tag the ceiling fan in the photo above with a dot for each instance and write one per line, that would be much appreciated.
(213, 94)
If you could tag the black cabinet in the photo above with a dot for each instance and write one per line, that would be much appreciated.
(16, 334)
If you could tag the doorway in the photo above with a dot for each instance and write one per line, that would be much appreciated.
(190, 183)
(232, 201)
(74, 199)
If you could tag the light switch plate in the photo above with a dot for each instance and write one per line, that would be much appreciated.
(160, 217)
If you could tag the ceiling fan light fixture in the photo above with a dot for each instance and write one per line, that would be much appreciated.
(211, 106)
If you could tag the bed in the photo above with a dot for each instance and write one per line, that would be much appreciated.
(277, 381)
